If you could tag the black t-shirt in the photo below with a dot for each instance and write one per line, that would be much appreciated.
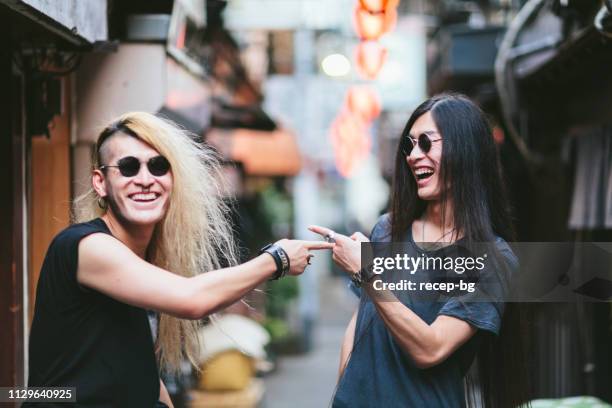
(84, 339)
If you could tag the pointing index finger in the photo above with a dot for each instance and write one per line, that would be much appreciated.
(310, 245)
(323, 231)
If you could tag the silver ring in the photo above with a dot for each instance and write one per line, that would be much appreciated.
(330, 237)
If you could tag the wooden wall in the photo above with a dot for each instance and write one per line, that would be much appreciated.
(50, 192)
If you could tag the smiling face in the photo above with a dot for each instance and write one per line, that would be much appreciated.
(425, 166)
(140, 200)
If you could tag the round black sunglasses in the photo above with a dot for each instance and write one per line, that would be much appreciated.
(130, 166)
(424, 142)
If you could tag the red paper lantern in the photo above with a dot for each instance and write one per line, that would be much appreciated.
(370, 56)
(378, 6)
(370, 26)
(364, 102)
(351, 142)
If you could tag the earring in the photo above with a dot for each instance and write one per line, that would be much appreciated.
(102, 203)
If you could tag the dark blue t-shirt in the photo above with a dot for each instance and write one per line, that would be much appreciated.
(380, 373)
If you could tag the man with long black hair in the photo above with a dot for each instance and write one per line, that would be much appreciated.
(416, 352)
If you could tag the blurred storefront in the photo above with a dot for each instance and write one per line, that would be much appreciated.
(555, 87)
(42, 43)
(541, 69)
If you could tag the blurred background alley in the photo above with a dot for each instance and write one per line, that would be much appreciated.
(304, 101)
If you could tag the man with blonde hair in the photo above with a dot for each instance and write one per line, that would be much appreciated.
(152, 223)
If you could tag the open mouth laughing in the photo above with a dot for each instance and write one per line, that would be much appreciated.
(144, 197)
(423, 173)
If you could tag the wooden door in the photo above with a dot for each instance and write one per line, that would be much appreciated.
(50, 191)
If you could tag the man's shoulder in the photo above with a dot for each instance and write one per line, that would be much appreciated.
(382, 229)
(62, 255)
(504, 249)
(76, 232)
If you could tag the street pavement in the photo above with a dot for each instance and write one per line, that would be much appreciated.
(309, 380)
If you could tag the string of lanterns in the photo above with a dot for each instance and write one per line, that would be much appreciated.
(349, 131)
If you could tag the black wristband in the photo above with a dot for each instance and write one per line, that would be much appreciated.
(364, 275)
(281, 259)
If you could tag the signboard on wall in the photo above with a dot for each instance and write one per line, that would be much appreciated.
(187, 21)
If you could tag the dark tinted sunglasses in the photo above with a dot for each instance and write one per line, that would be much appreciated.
(130, 166)
(424, 141)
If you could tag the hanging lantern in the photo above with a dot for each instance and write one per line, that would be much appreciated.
(370, 56)
(351, 142)
(370, 26)
(364, 102)
(378, 6)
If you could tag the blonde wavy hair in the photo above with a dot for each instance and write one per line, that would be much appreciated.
(195, 234)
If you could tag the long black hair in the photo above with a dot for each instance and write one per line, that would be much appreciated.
(470, 166)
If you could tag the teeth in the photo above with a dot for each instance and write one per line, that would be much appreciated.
(423, 173)
(144, 196)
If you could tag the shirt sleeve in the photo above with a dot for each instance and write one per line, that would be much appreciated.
(482, 315)
(63, 254)
(484, 307)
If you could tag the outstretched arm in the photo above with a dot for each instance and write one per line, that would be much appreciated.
(128, 278)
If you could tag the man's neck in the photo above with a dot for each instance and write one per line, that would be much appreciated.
(433, 215)
(135, 237)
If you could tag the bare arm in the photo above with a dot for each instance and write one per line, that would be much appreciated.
(164, 396)
(427, 344)
(127, 278)
(347, 344)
